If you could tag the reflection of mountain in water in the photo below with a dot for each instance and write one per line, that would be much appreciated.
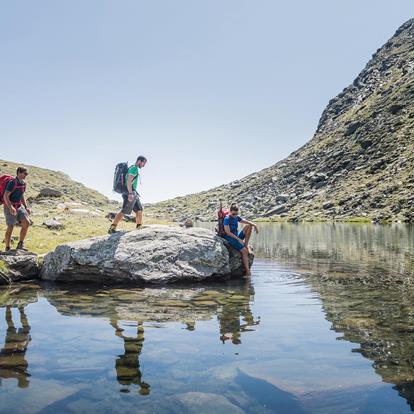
(381, 321)
(363, 251)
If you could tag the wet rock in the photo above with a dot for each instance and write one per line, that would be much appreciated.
(18, 265)
(153, 254)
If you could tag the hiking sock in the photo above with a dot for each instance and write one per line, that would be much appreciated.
(138, 226)
(7, 248)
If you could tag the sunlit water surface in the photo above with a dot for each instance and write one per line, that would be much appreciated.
(320, 328)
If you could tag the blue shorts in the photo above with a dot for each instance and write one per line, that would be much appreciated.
(235, 243)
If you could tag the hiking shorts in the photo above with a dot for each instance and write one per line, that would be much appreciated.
(129, 206)
(13, 220)
(235, 243)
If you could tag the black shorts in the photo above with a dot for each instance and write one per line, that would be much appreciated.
(129, 206)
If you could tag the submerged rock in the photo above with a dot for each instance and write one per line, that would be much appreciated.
(153, 254)
(18, 265)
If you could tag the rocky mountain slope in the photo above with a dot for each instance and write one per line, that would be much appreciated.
(359, 163)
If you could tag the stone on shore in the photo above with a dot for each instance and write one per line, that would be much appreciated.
(152, 254)
(18, 265)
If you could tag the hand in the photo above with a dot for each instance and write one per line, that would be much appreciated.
(256, 229)
(28, 211)
(13, 211)
(130, 197)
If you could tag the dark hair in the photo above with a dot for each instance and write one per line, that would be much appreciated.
(234, 207)
(141, 158)
(21, 170)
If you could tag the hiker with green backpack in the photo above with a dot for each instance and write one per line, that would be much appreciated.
(126, 183)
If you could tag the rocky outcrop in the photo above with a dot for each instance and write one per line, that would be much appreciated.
(359, 162)
(153, 254)
(50, 192)
(16, 266)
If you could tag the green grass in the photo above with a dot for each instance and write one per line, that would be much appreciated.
(3, 266)
(356, 219)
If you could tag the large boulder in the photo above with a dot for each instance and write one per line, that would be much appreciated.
(152, 254)
(18, 265)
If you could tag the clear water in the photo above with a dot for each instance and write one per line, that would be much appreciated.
(325, 325)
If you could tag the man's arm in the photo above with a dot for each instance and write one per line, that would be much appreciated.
(243, 221)
(229, 233)
(8, 203)
(130, 179)
(25, 204)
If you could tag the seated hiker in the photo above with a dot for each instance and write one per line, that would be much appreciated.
(130, 195)
(239, 240)
(15, 207)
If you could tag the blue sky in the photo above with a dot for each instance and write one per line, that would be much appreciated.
(209, 91)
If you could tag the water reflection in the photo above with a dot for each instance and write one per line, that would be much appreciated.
(13, 363)
(364, 251)
(127, 365)
(381, 321)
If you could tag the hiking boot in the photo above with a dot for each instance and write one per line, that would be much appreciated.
(112, 229)
(20, 246)
(138, 226)
(7, 249)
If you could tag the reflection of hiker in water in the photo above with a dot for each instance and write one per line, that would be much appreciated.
(12, 356)
(127, 365)
(229, 319)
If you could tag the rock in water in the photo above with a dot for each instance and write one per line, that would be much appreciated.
(153, 254)
(18, 265)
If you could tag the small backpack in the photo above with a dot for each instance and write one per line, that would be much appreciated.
(4, 180)
(121, 170)
(222, 213)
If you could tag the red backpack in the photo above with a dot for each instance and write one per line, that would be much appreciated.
(4, 180)
(222, 213)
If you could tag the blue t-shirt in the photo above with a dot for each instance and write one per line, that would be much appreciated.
(233, 223)
(16, 195)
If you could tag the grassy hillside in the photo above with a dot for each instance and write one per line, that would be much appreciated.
(358, 165)
(79, 209)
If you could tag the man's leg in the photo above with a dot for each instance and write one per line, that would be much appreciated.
(118, 218)
(25, 226)
(7, 236)
(247, 230)
(245, 257)
(124, 210)
(138, 218)
(138, 212)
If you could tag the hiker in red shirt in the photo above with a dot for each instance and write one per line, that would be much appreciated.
(15, 207)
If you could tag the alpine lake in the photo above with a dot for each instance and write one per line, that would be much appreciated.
(325, 325)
